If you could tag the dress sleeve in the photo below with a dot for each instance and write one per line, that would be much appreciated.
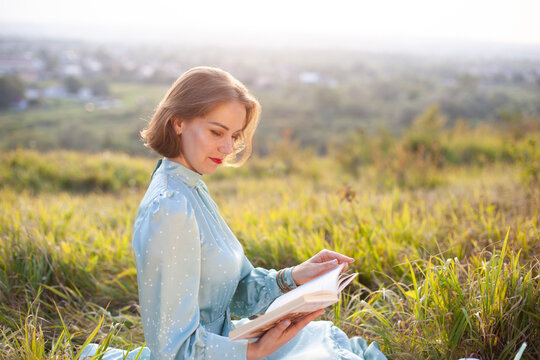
(256, 290)
(167, 249)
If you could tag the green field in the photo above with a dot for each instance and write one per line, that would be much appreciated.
(447, 250)
(65, 124)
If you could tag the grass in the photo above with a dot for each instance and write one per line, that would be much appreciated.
(447, 271)
(65, 124)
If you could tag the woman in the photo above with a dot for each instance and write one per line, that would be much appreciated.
(192, 272)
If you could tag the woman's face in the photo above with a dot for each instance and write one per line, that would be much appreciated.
(207, 140)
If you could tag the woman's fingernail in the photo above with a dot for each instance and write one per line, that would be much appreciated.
(334, 261)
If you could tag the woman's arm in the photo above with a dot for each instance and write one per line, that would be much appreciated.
(167, 247)
(258, 287)
(255, 291)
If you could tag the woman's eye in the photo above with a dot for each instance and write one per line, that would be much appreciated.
(215, 132)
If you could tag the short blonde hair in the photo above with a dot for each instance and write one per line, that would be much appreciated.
(196, 93)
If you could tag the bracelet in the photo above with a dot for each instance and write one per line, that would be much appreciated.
(282, 282)
(279, 281)
(292, 280)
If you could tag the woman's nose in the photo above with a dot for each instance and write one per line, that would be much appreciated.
(226, 147)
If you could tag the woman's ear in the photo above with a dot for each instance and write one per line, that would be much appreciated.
(177, 124)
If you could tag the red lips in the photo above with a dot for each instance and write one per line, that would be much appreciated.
(216, 160)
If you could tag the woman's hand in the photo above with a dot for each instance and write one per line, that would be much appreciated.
(322, 262)
(278, 336)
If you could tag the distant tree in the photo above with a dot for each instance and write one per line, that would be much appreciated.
(72, 84)
(11, 90)
(327, 101)
(99, 87)
(49, 59)
(468, 83)
(430, 123)
(423, 138)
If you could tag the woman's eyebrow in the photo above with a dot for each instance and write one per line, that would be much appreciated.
(218, 124)
(223, 126)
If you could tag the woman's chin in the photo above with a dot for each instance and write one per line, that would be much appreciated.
(209, 170)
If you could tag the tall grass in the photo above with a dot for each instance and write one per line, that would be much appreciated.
(445, 272)
(486, 308)
(70, 171)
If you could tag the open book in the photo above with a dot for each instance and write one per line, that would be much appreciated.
(316, 294)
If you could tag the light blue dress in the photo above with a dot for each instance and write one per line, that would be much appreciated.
(192, 275)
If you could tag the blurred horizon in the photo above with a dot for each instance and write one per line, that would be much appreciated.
(419, 47)
(499, 28)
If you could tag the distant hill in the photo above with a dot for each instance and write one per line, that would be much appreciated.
(95, 97)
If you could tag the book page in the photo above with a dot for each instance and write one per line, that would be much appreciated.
(326, 281)
(293, 315)
(345, 280)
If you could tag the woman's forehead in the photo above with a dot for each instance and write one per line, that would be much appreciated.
(230, 116)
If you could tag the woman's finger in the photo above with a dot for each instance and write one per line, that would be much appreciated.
(277, 331)
(329, 265)
(281, 327)
(341, 258)
(323, 267)
(326, 255)
(302, 322)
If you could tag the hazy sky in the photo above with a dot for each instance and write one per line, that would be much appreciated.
(497, 21)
